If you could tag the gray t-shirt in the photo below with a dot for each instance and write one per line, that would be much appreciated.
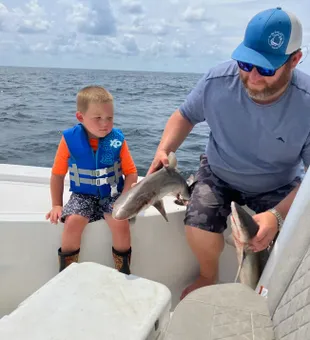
(255, 148)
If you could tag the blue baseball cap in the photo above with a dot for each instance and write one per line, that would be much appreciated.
(270, 37)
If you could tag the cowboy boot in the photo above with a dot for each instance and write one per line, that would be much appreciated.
(66, 258)
(122, 260)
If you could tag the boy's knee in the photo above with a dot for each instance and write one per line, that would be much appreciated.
(74, 223)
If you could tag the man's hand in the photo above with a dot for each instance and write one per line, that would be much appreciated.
(160, 160)
(268, 228)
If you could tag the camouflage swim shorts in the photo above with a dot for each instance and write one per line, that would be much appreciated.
(89, 206)
(209, 205)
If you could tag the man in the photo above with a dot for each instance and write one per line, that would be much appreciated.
(258, 109)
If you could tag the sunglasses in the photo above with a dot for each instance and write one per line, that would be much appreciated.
(265, 72)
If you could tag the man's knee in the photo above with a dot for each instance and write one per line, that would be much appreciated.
(209, 244)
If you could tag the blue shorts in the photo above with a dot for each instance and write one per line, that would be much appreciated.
(89, 206)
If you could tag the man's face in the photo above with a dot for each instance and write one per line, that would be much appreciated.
(261, 88)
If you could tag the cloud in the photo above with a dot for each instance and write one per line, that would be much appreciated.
(156, 49)
(59, 45)
(180, 50)
(194, 14)
(148, 27)
(95, 17)
(177, 35)
(130, 45)
(31, 19)
(126, 46)
(132, 7)
(4, 14)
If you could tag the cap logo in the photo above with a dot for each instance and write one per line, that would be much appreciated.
(276, 40)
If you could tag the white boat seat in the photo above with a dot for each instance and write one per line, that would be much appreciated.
(235, 312)
(90, 301)
(229, 311)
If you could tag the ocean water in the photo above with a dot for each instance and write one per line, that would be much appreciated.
(37, 104)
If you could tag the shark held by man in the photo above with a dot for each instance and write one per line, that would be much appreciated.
(151, 190)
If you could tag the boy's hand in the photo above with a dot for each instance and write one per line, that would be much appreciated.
(55, 214)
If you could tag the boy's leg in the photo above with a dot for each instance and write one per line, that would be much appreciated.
(76, 214)
(66, 258)
(72, 233)
(121, 242)
(121, 245)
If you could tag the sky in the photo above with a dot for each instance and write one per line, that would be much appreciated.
(151, 35)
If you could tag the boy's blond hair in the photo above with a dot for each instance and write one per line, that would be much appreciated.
(92, 94)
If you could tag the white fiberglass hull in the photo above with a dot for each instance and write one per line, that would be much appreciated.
(29, 243)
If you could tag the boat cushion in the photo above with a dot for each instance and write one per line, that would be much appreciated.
(226, 311)
(292, 317)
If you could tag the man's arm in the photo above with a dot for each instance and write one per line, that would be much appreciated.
(180, 124)
(269, 224)
(284, 206)
(176, 130)
(268, 221)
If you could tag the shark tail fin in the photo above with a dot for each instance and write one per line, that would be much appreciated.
(240, 266)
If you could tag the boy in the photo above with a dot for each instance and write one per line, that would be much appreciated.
(101, 168)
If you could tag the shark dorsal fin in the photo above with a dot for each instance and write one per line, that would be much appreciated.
(172, 160)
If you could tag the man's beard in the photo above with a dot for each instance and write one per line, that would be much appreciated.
(269, 90)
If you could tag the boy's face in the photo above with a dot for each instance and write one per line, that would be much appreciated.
(98, 119)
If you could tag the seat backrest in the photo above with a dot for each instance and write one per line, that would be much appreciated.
(291, 318)
(289, 285)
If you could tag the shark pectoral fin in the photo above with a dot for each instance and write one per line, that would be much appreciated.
(230, 240)
(191, 179)
(159, 205)
(132, 220)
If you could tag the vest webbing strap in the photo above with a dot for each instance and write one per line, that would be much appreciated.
(75, 175)
(96, 181)
(97, 172)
